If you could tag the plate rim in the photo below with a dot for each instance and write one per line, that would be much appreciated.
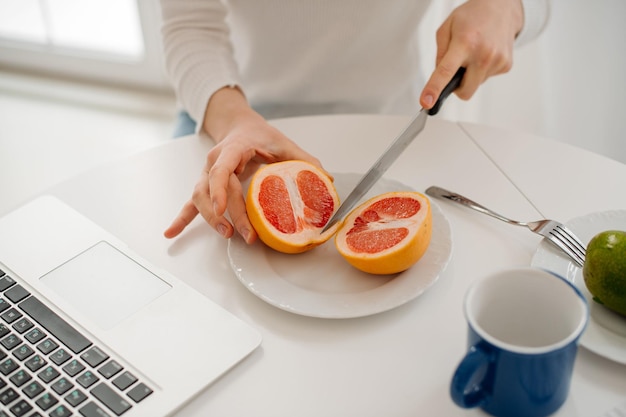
(443, 253)
(596, 335)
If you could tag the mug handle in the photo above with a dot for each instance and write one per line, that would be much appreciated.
(474, 365)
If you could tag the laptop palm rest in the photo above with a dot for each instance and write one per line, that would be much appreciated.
(105, 285)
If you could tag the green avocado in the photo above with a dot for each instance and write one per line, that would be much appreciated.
(604, 269)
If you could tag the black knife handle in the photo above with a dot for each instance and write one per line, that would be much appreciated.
(454, 83)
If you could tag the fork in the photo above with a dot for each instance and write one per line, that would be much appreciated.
(555, 232)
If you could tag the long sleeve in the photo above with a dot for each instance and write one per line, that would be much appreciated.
(198, 52)
(294, 57)
(536, 14)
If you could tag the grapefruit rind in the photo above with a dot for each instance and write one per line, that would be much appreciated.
(417, 231)
(296, 224)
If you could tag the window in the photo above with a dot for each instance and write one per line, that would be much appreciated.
(106, 40)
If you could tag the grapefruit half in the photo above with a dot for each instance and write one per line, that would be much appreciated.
(387, 234)
(289, 203)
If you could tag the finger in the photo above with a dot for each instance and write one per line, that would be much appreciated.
(473, 78)
(296, 152)
(445, 70)
(442, 37)
(185, 216)
(203, 203)
(228, 161)
(237, 211)
(218, 183)
(477, 71)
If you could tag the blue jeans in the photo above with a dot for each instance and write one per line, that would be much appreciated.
(184, 125)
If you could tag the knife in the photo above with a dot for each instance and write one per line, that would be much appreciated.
(393, 151)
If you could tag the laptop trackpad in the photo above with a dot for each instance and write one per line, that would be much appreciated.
(105, 285)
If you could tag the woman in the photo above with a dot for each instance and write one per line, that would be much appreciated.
(236, 63)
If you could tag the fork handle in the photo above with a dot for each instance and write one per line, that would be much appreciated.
(439, 192)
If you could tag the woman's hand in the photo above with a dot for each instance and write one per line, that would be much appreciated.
(244, 142)
(478, 35)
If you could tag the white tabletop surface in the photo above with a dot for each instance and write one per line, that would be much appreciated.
(397, 363)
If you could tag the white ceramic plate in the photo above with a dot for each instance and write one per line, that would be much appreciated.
(606, 331)
(320, 283)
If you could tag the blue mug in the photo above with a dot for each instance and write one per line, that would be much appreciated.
(523, 330)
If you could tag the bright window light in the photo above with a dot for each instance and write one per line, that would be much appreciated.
(108, 27)
(22, 20)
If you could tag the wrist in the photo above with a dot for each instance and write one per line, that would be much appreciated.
(225, 106)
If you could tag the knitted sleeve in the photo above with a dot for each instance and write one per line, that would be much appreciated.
(536, 13)
(198, 52)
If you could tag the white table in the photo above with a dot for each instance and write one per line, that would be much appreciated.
(397, 363)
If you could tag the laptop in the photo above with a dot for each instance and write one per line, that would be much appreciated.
(89, 328)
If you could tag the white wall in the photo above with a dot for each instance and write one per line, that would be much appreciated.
(569, 84)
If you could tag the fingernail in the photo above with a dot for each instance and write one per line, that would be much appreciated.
(222, 229)
(245, 233)
(429, 100)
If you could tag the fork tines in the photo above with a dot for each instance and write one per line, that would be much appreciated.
(569, 243)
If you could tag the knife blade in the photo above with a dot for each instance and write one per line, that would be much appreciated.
(394, 150)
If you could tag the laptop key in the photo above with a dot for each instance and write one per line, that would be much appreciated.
(33, 389)
(60, 411)
(35, 335)
(54, 324)
(73, 367)
(110, 399)
(48, 374)
(140, 392)
(61, 386)
(6, 282)
(110, 369)
(11, 315)
(7, 366)
(16, 294)
(75, 397)
(94, 356)
(8, 396)
(23, 352)
(10, 341)
(87, 379)
(20, 408)
(47, 346)
(4, 304)
(125, 380)
(92, 409)
(22, 325)
(46, 401)
(60, 356)
(35, 363)
(4, 330)
(20, 378)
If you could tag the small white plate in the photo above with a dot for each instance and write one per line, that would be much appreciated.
(606, 331)
(320, 283)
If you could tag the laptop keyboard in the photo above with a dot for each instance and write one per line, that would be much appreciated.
(48, 368)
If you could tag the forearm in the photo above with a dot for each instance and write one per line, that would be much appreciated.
(198, 53)
(226, 108)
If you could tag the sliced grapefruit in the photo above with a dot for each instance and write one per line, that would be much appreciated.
(289, 203)
(387, 234)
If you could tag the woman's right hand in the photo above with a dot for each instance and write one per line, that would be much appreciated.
(244, 141)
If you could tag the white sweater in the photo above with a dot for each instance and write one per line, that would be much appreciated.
(295, 57)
